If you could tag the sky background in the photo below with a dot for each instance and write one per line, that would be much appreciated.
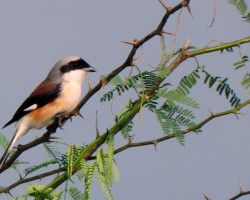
(36, 34)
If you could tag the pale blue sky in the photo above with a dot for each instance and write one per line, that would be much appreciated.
(34, 35)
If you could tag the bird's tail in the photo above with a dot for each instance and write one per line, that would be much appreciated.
(7, 151)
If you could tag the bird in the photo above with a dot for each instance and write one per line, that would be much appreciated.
(52, 99)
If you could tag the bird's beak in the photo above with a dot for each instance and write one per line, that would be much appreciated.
(90, 69)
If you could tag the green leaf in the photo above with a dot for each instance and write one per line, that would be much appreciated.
(164, 72)
(89, 180)
(32, 169)
(76, 194)
(117, 80)
(4, 142)
(54, 154)
(70, 160)
(35, 190)
(100, 159)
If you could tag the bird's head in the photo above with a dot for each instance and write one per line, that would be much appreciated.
(69, 69)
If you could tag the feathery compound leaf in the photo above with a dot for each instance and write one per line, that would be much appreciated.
(128, 128)
(89, 180)
(32, 169)
(54, 154)
(242, 8)
(34, 190)
(100, 159)
(109, 162)
(117, 80)
(173, 118)
(107, 171)
(72, 154)
(178, 96)
(3, 141)
(115, 173)
(83, 169)
(24, 197)
(168, 124)
(147, 79)
(246, 81)
(188, 82)
(70, 160)
(164, 72)
(241, 63)
(76, 194)
(222, 87)
(104, 185)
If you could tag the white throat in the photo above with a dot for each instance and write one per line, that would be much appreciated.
(76, 76)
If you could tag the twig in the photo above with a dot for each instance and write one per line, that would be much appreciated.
(191, 129)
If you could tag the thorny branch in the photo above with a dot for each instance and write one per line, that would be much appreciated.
(128, 62)
(139, 144)
(91, 148)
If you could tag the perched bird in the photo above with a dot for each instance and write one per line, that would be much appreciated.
(55, 97)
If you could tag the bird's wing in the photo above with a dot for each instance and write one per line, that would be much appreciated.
(43, 94)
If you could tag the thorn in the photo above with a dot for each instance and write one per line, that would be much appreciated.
(54, 138)
(238, 113)
(89, 84)
(134, 43)
(165, 6)
(103, 83)
(97, 130)
(155, 145)
(81, 116)
(186, 44)
(20, 177)
(136, 57)
(168, 33)
(130, 139)
(212, 114)
(189, 10)
(241, 189)
(8, 192)
(207, 198)
(60, 126)
(77, 113)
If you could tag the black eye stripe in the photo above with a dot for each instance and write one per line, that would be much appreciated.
(74, 65)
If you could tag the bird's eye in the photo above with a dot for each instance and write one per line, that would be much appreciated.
(75, 63)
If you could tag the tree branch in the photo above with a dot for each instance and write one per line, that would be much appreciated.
(91, 148)
(33, 178)
(241, 194)
(191, 129)
(128, 62)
